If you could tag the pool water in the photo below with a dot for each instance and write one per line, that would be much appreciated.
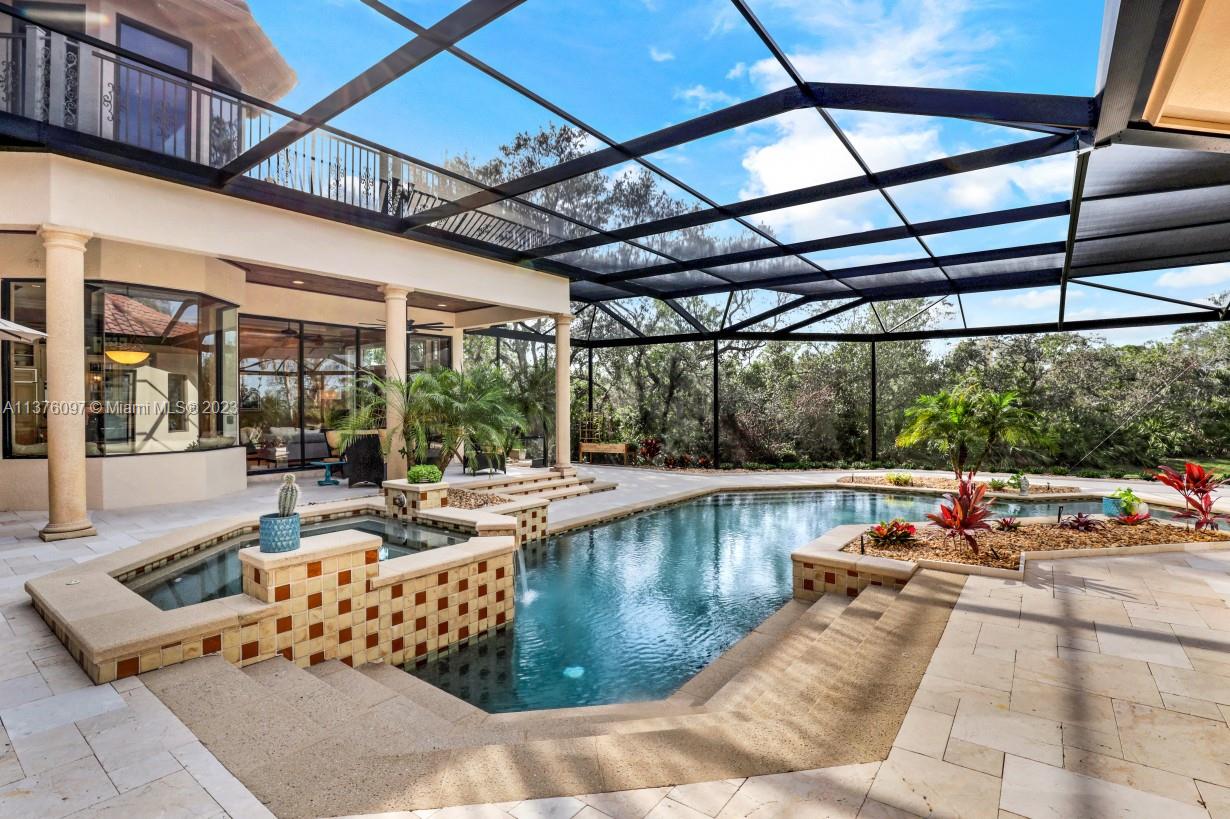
(631, 609)
(216, 573)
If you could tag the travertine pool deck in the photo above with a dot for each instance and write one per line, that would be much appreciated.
(71, 747)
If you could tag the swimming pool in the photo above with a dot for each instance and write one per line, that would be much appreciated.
(629, 610)
(215, 572)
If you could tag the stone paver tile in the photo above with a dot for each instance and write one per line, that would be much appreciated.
(1174, 742)
(560, 807)
(975, 757)
(1152, 643)
(170, 796)
(996, 653)
(670, 809)
(925, 786)
(121, 738)
(60, 709)
(966, 668)
(17, 691)
(1195, 684)
(51, 748)
(144, 771)
(944, 695)
(1100, 742)
(1132, 774)
(626, 804)
(878, 810)
(472, 812)
(15, 664)
(57, 792)
(220, 783)
(1216, 799)
(587, 812)
(835, 792)
(62, 674)
(924, 731)
(1114, 677)
(1010, 731)
(1195, 707)
(707, 797)
(1066, 705)
(1215, 617)
(1046, 792)
(1001, 637)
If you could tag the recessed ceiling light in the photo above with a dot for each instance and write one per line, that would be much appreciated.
(441, 305)
(296, 281)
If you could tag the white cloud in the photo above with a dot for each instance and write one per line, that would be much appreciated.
(1196, 278)
(1037, 299)
(737, 71)
(660, 56)
(704, 99)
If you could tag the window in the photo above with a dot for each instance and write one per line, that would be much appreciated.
(154, 108)
(160, 371)
(425, 352)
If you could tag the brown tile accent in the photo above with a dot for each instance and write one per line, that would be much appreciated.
(499, 572)
(129, 667)
(851, 573)
(851, 592)
(442, 629)
(281, 593)
(420, 649)
(398, 616)
(499, 596)
(463, 632)
(463, 608)
(830, 577)
(371, 556)
(316, 630)
(420, 598)
(314, 569)
(289, 653)
(482, 566)
(317, 658)
(463, 584)
(249, 650)
(212, 645)
(499, 618)
(397, 590)
(482, 613)
(343, 577)
(442, 604)
(343, 636)
(316, 600)
(284, 625)
(373, 612)
(809, 584)
(420, 623)
(348, 661)
(343, 606)
(256, 576)
(399, 643)
(441, 578)
(482, 589)
(373, 639)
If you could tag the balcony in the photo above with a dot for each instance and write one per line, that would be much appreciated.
(51, 78)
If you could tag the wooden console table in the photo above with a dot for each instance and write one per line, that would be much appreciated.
(591, 448)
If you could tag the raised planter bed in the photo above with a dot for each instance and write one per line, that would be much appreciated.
(950, 485)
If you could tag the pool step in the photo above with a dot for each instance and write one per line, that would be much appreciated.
(545, 486)
(549, 485)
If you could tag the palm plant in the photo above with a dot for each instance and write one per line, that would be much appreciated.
(968, 424)
(452, 406)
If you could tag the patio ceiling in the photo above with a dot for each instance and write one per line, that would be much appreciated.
(1142, 196)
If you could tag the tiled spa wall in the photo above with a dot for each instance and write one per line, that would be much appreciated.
(407, 502)
(839, 575)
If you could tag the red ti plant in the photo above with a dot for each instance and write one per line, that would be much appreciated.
(1198, 486)
(965, 513)
(893, 532)
(1133, 520)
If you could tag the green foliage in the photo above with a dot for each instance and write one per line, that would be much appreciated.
(899, 478)
(424, 473)
(997, 484)
(1129, 499)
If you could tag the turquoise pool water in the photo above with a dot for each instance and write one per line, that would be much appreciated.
(629, 610)
(216, 573)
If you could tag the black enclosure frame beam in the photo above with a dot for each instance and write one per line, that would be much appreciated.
(459, 24)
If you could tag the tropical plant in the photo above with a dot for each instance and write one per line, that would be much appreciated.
(1198, 486)
(997, 484)
(1007, 524)
(899, 478)
(650, 447)
(1014, 480)
(964, 514)
(1132, 519)
(1080, 522)
(891, 533)
(424, 473)
(968, 424)
(1128, 499)
(453, 407)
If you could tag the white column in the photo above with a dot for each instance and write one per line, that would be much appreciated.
(563, 392)
(65, 270)
(457, 341)
(394, 368)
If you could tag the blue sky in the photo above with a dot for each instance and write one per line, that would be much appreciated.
(629, 67)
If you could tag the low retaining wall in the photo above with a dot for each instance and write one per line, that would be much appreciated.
(820, 567)
(525, 519)
(330, 599)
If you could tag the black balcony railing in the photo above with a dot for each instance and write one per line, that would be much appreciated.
(52, 78)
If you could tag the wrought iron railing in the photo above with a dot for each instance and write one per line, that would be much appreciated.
(52, 78)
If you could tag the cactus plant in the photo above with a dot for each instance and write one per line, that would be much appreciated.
(288, 497)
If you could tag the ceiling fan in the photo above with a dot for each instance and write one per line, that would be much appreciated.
(413, 326)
